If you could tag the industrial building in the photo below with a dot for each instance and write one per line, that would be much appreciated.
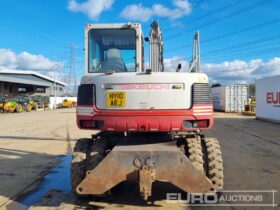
(15, 82)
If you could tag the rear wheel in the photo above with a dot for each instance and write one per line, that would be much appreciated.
(88, 153)
(79, 161)
(195, 152)
(35, 107)
(205, 154)
(19, 108)
(215, 163)
(28, 108)
(96, 153)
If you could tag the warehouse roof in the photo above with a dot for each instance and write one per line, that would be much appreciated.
(27, 77)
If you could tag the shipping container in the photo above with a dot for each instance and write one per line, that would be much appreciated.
(230, 98)
(268, 99)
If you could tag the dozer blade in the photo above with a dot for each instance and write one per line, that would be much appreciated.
(145, 164)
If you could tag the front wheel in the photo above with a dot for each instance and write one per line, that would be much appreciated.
(19, 108)
(28, 108)
(35, 107)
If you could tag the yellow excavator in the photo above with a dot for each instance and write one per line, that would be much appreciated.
(3, 100)
(12, 106)
(67, 103)
(27, 102)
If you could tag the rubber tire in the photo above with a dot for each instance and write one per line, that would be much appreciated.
(28, 108)
(35, 107)
(205, 155)
(79, 161)
(19, 108)
(97, 153)
(215, 163)
(195, 153)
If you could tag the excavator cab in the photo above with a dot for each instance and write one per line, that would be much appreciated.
(111, 48)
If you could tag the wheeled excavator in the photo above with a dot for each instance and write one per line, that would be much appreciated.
(150, 119)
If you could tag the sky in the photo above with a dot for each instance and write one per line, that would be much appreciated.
(239, 39)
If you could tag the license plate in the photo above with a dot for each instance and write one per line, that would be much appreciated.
(116, 99)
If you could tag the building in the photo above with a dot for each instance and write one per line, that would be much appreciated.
(15, 82)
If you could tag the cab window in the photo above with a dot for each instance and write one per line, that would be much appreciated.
(112, 50)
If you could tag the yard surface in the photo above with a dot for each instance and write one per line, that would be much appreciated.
(34, 162)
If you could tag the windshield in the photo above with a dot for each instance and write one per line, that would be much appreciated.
(112, 50)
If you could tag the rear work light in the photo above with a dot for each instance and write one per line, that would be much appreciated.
(201, 123)
(96, 124)
(196, 123)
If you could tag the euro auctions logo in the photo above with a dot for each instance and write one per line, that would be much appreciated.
(273, 98)
(226, 198)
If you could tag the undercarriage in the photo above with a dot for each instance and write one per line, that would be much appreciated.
(187, 160)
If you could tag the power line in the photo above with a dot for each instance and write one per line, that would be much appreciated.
(244, 44)
(222, 18)
(251, 52)
(226, 35)
(248, 54)
(35, 34)
(257, 46)
(221, 9)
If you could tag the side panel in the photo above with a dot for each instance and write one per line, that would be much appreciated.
(268, 99)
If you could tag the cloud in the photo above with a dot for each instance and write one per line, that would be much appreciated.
(137, 12)
(141, 13)
(231, 72)
(272, 67)
(239, 71)
(91, 8)
(26, 61)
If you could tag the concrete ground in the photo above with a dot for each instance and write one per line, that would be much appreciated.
(34, 148)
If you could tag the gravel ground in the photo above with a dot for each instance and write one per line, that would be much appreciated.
(33, 148)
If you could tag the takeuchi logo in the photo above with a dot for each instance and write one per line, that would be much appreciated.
(273, 97)
(146, 86)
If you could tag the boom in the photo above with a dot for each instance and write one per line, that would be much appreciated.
(195, 62)
(156, 48)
